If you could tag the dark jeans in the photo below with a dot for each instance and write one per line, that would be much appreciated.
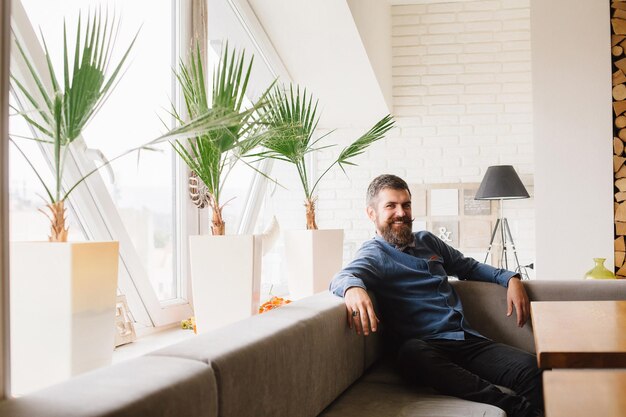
(471, 368)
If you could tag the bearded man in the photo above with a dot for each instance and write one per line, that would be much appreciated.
(434, 345)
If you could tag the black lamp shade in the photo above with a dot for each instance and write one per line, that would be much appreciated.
(501, 182)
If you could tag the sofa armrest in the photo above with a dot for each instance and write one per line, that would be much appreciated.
(146, 386)
(576, 290)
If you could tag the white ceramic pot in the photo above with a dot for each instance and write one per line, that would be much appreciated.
(225, 278)
(63, 299)
(313, 257)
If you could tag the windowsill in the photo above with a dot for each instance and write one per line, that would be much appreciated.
(150, 342)
(150, 339)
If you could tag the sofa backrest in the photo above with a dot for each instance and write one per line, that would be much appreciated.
(292, 361)
(484, 304)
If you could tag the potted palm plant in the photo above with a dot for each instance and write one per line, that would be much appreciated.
(313, 255)
(75, 283)
(225, 269)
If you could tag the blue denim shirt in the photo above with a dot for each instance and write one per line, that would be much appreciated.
(414, 296)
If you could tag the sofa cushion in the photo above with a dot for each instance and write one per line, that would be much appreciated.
(381, 392)
(146, 386)
(292, 361)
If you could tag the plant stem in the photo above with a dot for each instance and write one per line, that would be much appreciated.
(58, 231)
(218, 227)
(303, 179)
(322, 176)
(310, 214)
(57, 161)
(43, 183)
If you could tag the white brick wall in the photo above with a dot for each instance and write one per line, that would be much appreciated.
(462, 102)
(462, 97)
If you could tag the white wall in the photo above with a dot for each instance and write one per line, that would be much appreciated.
(321, 48)
(572, 136)
(373, 20)
(462, 100)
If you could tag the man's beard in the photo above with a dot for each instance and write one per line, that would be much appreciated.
(398, 236)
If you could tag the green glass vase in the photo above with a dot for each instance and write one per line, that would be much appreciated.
(599, 271)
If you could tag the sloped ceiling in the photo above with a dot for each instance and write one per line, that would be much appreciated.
(319, 45)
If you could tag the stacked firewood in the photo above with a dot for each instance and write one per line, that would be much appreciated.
(618, 48)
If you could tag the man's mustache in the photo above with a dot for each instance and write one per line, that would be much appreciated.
(403, 219)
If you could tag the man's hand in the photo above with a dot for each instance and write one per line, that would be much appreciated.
(516, 296)
(360, 311)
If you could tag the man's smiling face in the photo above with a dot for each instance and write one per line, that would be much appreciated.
(391, 214)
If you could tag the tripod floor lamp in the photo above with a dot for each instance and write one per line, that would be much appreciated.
(501, 182)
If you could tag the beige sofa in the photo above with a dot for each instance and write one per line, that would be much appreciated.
(297, 361)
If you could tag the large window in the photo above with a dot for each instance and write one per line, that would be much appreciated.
(140, 201)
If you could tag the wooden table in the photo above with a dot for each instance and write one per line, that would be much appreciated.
(584, 393)
(580, 334)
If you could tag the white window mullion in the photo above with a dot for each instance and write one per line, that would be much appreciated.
(255, 197)
(256, 35)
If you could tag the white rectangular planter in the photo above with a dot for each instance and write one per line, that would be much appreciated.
(313, 257)
(225, 278)
(62, 310)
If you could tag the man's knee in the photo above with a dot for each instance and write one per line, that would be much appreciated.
(529, 370)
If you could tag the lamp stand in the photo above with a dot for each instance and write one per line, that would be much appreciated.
(502, 225)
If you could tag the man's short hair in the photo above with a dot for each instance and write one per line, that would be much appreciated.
(384, 181)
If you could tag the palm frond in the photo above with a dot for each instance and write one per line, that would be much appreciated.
(206, 123)
(31, 121)
(43, 183)
(357, 147)
(39, 84)
(90, 86)
(13, 135)
(225, 131)
(293, 118)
